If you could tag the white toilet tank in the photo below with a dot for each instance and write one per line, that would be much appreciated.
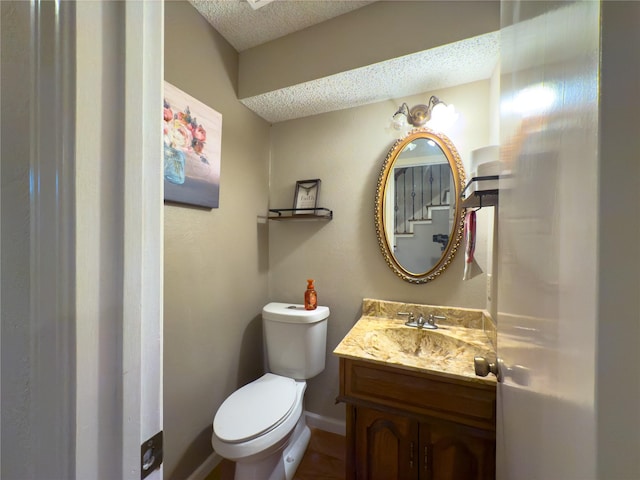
(295, 339)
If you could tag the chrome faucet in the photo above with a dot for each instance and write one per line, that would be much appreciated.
(431, 322)
(420, 322)
(410, 318)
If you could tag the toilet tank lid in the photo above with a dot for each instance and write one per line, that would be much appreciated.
(293, 313)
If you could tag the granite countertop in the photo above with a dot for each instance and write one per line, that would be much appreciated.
(380, 336)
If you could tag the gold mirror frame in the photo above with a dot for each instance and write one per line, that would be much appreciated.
(457, 170)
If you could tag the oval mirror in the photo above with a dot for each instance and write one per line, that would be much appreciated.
(419, 219)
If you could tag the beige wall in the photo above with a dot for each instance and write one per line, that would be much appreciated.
(345, 149)
(17, 454)
(618, 334)
(215, 268)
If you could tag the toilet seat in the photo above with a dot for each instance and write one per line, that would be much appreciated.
(255, 409)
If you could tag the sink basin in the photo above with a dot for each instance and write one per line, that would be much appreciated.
(381, 337)
(422, 343)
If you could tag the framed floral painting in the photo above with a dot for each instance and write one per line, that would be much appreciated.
(192, 134)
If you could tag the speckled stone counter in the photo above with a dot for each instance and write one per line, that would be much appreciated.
(380, 336)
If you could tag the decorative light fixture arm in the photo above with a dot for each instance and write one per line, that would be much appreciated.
(404, 110)
(421, 114)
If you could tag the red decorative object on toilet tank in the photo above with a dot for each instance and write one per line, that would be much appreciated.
(310, 296)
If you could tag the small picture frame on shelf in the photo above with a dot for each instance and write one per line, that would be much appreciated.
(306, 196)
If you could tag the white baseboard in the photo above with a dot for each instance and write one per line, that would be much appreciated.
(206, 467)
(325, 423)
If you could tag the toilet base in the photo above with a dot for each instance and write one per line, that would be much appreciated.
(282, 464)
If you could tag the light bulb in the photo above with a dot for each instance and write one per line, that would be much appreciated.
(399, 121)
(442, 117)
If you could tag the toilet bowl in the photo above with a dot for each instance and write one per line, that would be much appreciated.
(257, 419)
(261, 426)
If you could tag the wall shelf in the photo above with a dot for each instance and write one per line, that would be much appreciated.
(292, 214)
(481, 197)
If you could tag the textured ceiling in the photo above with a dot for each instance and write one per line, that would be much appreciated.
(458, 63)
(243, 27)
(446, 66)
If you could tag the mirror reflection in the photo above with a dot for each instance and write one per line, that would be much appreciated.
(421, 212)
(418, 217)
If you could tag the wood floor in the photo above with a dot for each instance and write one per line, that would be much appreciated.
(323, 460)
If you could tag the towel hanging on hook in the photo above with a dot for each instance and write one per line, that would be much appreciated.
(471, 267)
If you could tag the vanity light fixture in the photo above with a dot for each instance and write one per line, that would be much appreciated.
(436, 115)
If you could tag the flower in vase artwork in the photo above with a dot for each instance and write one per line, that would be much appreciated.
(192, 133)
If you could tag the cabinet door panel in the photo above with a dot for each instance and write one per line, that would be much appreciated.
(449, 454)
(386, 446)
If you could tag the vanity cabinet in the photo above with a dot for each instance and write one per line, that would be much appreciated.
(408, 425)
(384, 445)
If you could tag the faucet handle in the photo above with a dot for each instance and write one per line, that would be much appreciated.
(431, 321)
(409, 315)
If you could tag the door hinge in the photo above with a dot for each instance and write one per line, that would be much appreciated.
(150, 455)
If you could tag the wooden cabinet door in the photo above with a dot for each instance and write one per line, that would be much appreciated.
(386, 446)
(451, 452)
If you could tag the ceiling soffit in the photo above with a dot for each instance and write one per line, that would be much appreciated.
(458, 62)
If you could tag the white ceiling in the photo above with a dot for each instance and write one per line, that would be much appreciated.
(446, 66)
(243, 27)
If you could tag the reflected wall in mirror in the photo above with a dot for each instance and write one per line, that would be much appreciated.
(418, 215)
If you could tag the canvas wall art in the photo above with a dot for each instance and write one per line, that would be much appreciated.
(192, 145)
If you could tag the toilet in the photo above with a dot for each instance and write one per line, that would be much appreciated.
(261, 426)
